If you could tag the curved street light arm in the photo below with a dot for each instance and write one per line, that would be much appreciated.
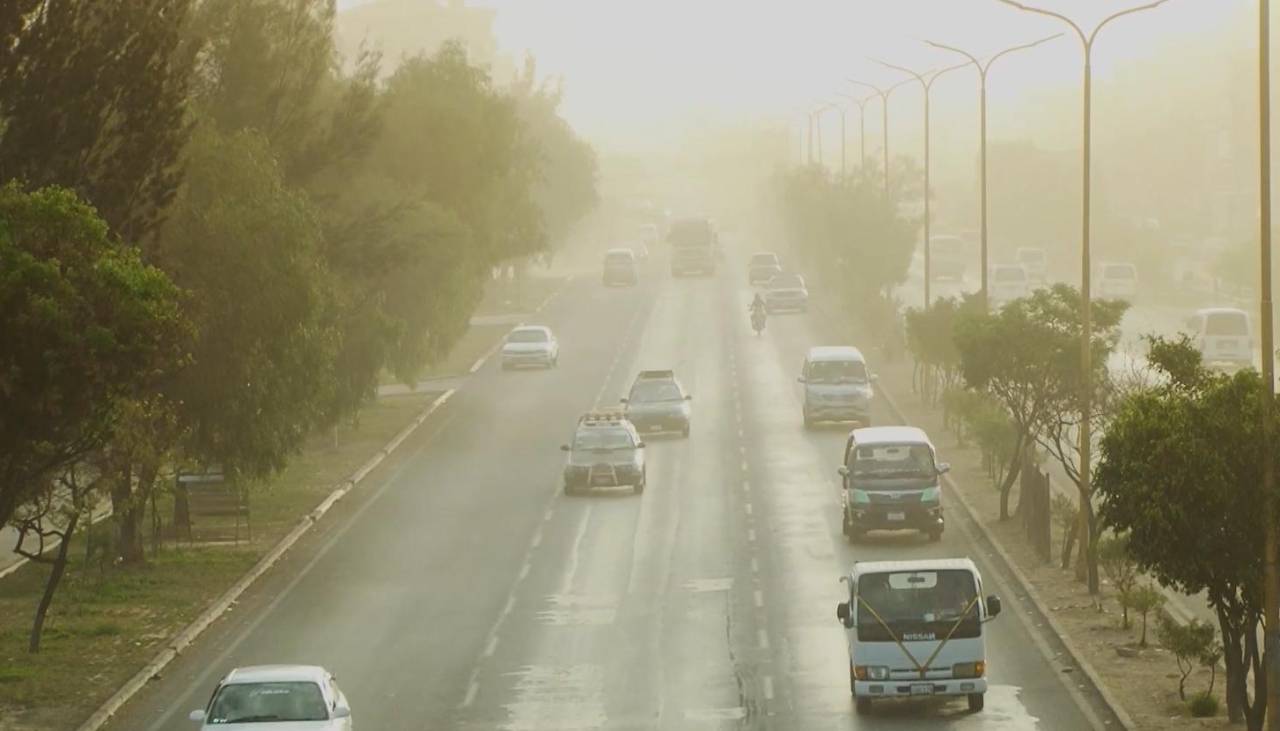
(878, 91)
(1023, 47)
(973, 60)
(1123, 13)
(1041, 11)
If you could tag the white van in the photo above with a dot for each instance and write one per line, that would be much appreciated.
(1033, 260)
(1008, 282)
(947, 257)
(837, 386)
(915, 628)
(1223, 335)
(1117, 280)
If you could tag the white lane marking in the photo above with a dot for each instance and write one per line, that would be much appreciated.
(751, 535)
(575, 554)
(524, 571)
(740, 434)
(745, 467)
(537, 538)
(473, 688)
(759, 599)
(762, 638)
(491, 647)
(755, 566)
(736, 713)
(768, 687)
(746, 486)
(748, 508)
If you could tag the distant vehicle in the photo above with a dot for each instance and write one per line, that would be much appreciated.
(694, 247)
(606, 452)
(649, 234)
(530, 345)
(762, 267)
(837, 386)
(1224, 336)
(1117, 280)
(274, 697)
(658, 403)
(1008, 282)
(901, 615)
(786, 293)
(947, 257)
(620, 268)
(891, 482)
(641, 251)
(1033, 260)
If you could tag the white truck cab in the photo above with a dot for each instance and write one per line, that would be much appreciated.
(916, 628)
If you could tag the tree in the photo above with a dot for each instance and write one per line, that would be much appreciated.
(1192, 644)
(86, 325)
(1173, 454)
(1119, 566)
(93, 97)
(1143, 599)
(52, 515)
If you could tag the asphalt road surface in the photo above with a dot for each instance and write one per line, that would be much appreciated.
(463, 590)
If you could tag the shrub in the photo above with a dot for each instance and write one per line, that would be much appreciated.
(1118, 565)
(1203, 705)
(1143, 599)
(1191, 644)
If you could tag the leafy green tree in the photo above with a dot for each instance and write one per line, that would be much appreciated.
(93, 97)
(1172, 455)
(1120, 568)
(86, 325)
(1192, 644)
(1143, 599)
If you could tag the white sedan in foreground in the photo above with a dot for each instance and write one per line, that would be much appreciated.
(302, 697)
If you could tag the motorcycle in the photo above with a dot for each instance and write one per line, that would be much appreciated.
(757, 320)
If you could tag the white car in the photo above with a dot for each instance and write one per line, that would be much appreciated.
(530, 345)
(1117, 281)
(1008, 282)
(301, 697)
(1032, 259)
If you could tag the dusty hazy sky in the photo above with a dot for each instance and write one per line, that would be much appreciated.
(647, 69)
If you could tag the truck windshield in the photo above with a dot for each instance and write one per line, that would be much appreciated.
(917, 605)
(837, 371)
(694, 232)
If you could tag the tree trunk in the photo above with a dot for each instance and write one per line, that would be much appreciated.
(127, 514)
(1256, 714)
(1010, 476)
(51, 585)
(1069, 541)
(1087, 560)
(1233, 659)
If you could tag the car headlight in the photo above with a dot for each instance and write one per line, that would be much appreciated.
(871, 672)
(969, 669)
(931, 494)
(859, 497)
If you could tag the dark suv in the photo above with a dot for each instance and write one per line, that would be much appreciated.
(606, 452)
(658, 403)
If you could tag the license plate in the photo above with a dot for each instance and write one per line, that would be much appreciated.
(655, 427)
(922, 689)
(606, 480)
(897, 516)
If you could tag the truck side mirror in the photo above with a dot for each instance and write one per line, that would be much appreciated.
(843, 471)
(564, 447)
(842, 613)
(944, 468)
(993, 606)
(800, 379)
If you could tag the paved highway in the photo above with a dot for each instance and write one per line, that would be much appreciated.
(463, 590)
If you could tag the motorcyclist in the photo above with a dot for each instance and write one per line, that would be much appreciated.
(757, 305)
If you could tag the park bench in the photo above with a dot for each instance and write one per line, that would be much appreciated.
(210, 496)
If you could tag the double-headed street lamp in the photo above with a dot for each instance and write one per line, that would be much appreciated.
(1271, 548)
(926, 85)
(1086, 335)
(862, 125)
(833, 107)
(884, 94)
(983, 68)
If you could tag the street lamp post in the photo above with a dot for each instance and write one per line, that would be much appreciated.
(1086, 334)
(926, 85)
(1271, 548)
(862, 126)
(983, 68)
(833, 107)
(884, 94)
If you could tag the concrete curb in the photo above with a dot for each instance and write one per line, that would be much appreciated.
(228, 598)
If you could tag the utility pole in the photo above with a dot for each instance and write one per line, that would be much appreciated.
(926, 85)
(1086, 294)
(982, 105)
